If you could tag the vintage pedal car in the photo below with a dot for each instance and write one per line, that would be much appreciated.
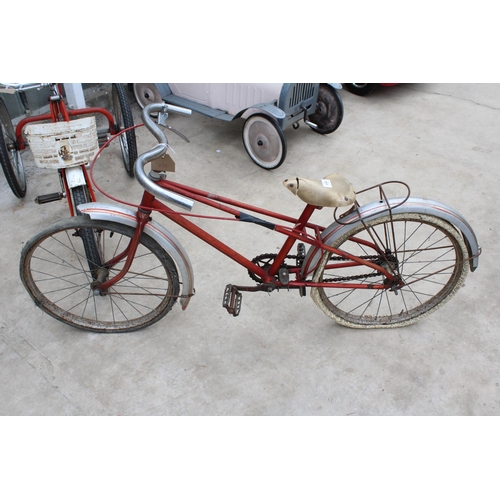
(267, 108)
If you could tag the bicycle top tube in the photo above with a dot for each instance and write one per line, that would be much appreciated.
(158, 151)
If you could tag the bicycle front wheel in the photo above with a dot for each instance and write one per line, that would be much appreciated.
(10, 156)
(54, 269)
(425, 253)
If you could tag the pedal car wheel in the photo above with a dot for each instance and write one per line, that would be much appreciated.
(264, 141)
(329, 111)
(146, 93)
(360, 88)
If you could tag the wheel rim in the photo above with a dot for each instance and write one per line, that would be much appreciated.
(263, 142)
(146, 93)
(430, 258)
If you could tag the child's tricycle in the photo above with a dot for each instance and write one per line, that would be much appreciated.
(268, 109)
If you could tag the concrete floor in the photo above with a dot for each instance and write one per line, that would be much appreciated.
(282, 355)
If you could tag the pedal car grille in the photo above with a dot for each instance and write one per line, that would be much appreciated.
(301, 92)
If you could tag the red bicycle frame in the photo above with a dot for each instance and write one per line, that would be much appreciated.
(298, 232)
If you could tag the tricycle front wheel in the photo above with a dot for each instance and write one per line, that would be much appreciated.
(264, 141)
(124, 119)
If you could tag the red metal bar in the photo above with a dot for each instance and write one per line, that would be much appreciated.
(211, 240)
(89, 184)
(53, 118)
(290, 241)
(215, 200)
(67, 191)
(142, 219)
(294, 234)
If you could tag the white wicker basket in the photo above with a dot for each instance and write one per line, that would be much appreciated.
(63, 144)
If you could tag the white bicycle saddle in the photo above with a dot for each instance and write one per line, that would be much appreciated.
(332, 191)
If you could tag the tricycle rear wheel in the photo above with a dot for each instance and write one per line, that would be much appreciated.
(10, 156)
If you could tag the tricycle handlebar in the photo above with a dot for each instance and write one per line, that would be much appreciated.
(158, 151)
(12, 88)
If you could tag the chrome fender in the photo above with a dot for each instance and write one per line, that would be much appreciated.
(103, 211)
(414, 205)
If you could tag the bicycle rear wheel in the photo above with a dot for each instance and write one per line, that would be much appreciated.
(54, 270)
(123, 119)
(10, 156)
(426, 252)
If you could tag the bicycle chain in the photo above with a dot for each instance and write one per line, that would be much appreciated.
(256, 260)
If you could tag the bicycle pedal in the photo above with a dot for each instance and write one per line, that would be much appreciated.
(232, 300)
(47, 198)
(284, 276)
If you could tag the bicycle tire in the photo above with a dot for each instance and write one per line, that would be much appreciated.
(123, 119)
(12, 164)
(80, 195)
(432, 260)
(52, 269)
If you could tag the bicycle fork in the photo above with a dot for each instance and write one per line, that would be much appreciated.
(102, 284)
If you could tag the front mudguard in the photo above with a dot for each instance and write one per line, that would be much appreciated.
(103, 211)
(412, 205)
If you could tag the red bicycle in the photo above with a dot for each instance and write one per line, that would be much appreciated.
(384, 264)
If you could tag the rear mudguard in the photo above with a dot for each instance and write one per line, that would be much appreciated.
(412, 205)
(102, 211)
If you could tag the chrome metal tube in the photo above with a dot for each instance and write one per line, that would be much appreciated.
(158, 151)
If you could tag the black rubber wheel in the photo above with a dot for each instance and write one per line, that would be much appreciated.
(80, 195)
(329, 110)
(123, 119)
(10, 156)
(264, 141)
(360, 88)
(53, 270)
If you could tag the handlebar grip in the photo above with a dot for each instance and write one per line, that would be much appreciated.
(177, 109)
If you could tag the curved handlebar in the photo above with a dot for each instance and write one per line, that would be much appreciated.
(158, 151)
